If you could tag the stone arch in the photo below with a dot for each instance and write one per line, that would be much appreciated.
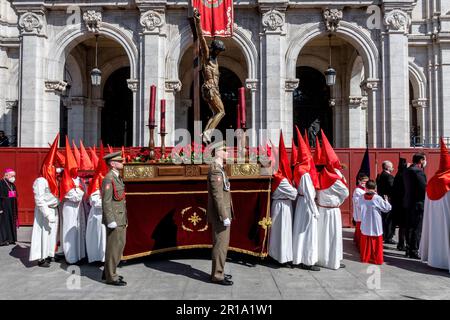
(418, 81)
(356, 76)
(76, 76)
(112, 65)
(71, 36)
(347, 31)
(180, 44)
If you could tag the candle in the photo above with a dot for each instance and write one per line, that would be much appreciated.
(151, 116)
(238, 122)
(163, 115)
(242, 105)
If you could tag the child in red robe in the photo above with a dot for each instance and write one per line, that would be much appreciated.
(372, 206)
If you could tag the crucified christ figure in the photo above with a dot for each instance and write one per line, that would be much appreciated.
(210, 86)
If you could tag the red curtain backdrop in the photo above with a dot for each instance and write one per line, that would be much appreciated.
(216, 17)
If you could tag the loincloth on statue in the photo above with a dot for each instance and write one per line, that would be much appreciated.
(209, 91)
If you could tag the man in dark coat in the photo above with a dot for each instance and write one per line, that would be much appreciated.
(8, 208)
(385, 183)
(398, 211)
(415, 184)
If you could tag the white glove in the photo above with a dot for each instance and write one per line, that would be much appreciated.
(227, 222)
(112, 225)
(51, 219)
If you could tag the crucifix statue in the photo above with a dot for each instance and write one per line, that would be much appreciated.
(210, 86)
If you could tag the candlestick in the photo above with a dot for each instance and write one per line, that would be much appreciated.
(163, 115)
(242, 105)
(151, 144)
(151, 116)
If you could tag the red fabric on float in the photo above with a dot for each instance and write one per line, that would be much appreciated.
(216, 17)
(171, 215)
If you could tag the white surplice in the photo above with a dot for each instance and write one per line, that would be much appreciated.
(330, 225)
(96, 230)
(280, 239)
(435, 240)
(74, 237)
(371, 211)
(305, 239)
(357, 194)
(44, 235)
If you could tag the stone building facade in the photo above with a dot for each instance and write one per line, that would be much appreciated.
(392, 59)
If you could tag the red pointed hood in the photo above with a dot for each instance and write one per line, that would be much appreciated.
(70, 171)
(329, 157)
(100, 172)
(305, 162)
(307, 141)
(61, 159)
(77, 154)
(48, 170)
(284, 167)
(439, 184)
(293, 153)
(85, 162)
(318, 152)
(94, 156)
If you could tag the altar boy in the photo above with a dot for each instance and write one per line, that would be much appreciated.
(371, 207)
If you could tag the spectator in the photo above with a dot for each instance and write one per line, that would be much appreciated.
(398, 210)
(415, 183)
(4, 141)
(385, 183)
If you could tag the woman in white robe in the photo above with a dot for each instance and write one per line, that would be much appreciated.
(96, 230)
(280, 240)
(74, 236)
(45, 226)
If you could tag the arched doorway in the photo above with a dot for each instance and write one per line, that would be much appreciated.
(117, 114)
(229, 84)
(311, 103)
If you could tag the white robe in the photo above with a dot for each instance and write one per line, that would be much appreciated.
(44, 235)
(357, 194)
(329, 226)
(371, 210)
(96, 230)
(280, 238)
(305, 238)
(435, 240)
(74, 237)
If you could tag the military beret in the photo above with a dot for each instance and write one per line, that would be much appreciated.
(114, 156)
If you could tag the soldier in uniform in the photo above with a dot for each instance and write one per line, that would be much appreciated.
(114, 217)
(220, 214)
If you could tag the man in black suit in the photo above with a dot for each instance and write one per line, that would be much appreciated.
(385, 184)
(415, 185)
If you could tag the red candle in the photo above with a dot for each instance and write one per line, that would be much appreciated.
(242, 105)
(151, 116)
(163, 115)
(238, 122)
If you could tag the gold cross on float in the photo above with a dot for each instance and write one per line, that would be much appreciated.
(195, 219)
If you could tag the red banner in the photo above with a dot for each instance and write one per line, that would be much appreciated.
(216, 17)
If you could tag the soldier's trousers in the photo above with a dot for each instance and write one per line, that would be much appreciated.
(115, 243)
(221, 240)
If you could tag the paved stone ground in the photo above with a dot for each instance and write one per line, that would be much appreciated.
(184, 275)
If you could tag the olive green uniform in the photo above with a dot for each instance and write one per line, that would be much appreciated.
(114, 209)
(220, 207)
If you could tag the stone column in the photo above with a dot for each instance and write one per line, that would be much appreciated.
(274, 113)
(374, 119)
(253, 112)
(356, 122)
(396, 78)
(444, 81)
(75, 119)
(152, 65)
(92, 120)
(133, 85)
(38, 123)
(171, 87)
(3, 84)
